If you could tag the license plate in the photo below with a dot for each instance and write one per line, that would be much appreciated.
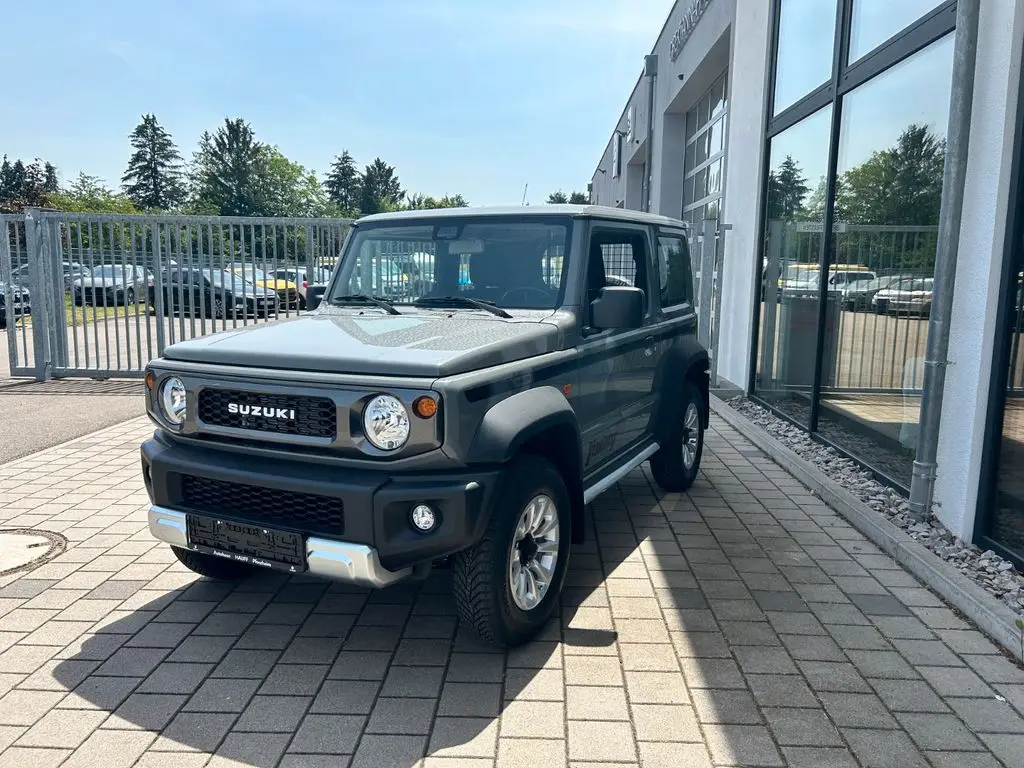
(247, 543)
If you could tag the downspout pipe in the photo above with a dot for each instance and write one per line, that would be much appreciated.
(651, 72)
(922, 484)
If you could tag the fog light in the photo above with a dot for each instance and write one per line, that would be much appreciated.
(423, 518)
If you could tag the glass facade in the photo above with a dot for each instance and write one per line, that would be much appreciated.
(875, 21)
(704, 165)
(804, 50)
(1001, 501)
(851, 220)
(789, 306)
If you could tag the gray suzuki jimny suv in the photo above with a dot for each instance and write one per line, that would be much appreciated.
(540, 355)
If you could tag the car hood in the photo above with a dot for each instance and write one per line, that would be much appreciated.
(429, 344)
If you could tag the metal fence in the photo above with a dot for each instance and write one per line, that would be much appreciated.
(878, 291)
(100, 295)
(106, 293)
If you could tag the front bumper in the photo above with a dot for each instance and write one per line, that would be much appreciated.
(337, 560)
(375, 544)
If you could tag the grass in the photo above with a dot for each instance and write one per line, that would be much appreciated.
(84, 315)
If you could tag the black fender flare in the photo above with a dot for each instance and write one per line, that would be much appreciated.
(678, 364)
(510, 425)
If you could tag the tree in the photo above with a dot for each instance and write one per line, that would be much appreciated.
(6, 178)
(50, 183)
(230, 171)
(557, 197)
(579, 198)
(289, 189)
(24, 185)
(380, 188)
(901, 185)
(88, 194)
(153, 177)
(343, 184)
(419, 201)
(787, 188)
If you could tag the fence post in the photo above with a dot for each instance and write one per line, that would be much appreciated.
(769, 302)
(6, 284)
(717, 301)
(40, 296)
(707, 280)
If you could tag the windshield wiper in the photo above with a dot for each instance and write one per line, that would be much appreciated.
(362, 298)
(450, 301)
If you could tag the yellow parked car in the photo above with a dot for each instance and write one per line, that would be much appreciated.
(286, 290)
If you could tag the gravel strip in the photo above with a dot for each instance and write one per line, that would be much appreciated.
(986, 568)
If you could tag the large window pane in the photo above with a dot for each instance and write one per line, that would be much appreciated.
(889, 184)
(875, 21)
(789, 300)
(1008, 519)
(806, 40)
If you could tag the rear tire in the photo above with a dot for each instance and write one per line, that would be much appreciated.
(482, 576)
(212, 567)
(676, 464)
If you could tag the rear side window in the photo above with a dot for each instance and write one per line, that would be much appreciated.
(674, 271)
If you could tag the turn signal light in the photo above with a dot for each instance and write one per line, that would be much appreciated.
(425, 407)
(150, 381)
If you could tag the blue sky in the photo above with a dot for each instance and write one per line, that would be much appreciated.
(477, 97)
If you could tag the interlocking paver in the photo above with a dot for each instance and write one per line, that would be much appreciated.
(742, 622)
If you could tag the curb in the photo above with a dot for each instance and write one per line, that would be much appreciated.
(990, 615)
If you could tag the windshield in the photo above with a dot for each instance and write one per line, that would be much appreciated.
(228, 280)
(512, 262)
(250, 273)
(107, 272)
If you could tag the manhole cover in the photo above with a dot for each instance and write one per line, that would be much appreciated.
(23, 549)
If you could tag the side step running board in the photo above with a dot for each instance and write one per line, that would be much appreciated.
(608, 481)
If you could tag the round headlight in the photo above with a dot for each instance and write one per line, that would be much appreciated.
(386, 422)
(172, 400)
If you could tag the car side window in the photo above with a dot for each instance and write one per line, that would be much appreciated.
(616, 258)
(674, 275)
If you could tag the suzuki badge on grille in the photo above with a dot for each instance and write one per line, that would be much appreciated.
(265, 411)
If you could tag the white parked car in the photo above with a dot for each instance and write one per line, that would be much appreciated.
(303, 277)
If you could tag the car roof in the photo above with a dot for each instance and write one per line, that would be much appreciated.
(576, 211)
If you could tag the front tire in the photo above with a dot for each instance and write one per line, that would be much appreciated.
(507, 585)
(212, 567)
(677, 462)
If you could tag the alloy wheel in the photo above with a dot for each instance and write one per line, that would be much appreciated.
(533, 555)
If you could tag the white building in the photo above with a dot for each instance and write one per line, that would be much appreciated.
(772, 118)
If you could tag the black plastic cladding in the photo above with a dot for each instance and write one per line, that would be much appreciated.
(314, 416)
(308, 512)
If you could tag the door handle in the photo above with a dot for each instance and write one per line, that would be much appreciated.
(648, 346)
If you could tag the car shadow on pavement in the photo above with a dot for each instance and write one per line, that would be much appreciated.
(275, 671)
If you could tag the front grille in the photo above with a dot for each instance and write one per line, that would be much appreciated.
(314, 416)
(272, 507)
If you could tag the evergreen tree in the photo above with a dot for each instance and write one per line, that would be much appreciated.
(153, 177)
(380, 188)
(558, 197)
(50, 184)
(579, 198)
(6, 179)
(787, 188)
(343, 184)
(17, 180)
(230, 171)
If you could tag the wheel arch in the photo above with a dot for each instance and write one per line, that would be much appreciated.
(541, 422)
(686, 360)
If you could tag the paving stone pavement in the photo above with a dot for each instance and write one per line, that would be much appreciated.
(742, 623)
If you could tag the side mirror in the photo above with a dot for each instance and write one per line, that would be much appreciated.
(618, 307)
(314, 295)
